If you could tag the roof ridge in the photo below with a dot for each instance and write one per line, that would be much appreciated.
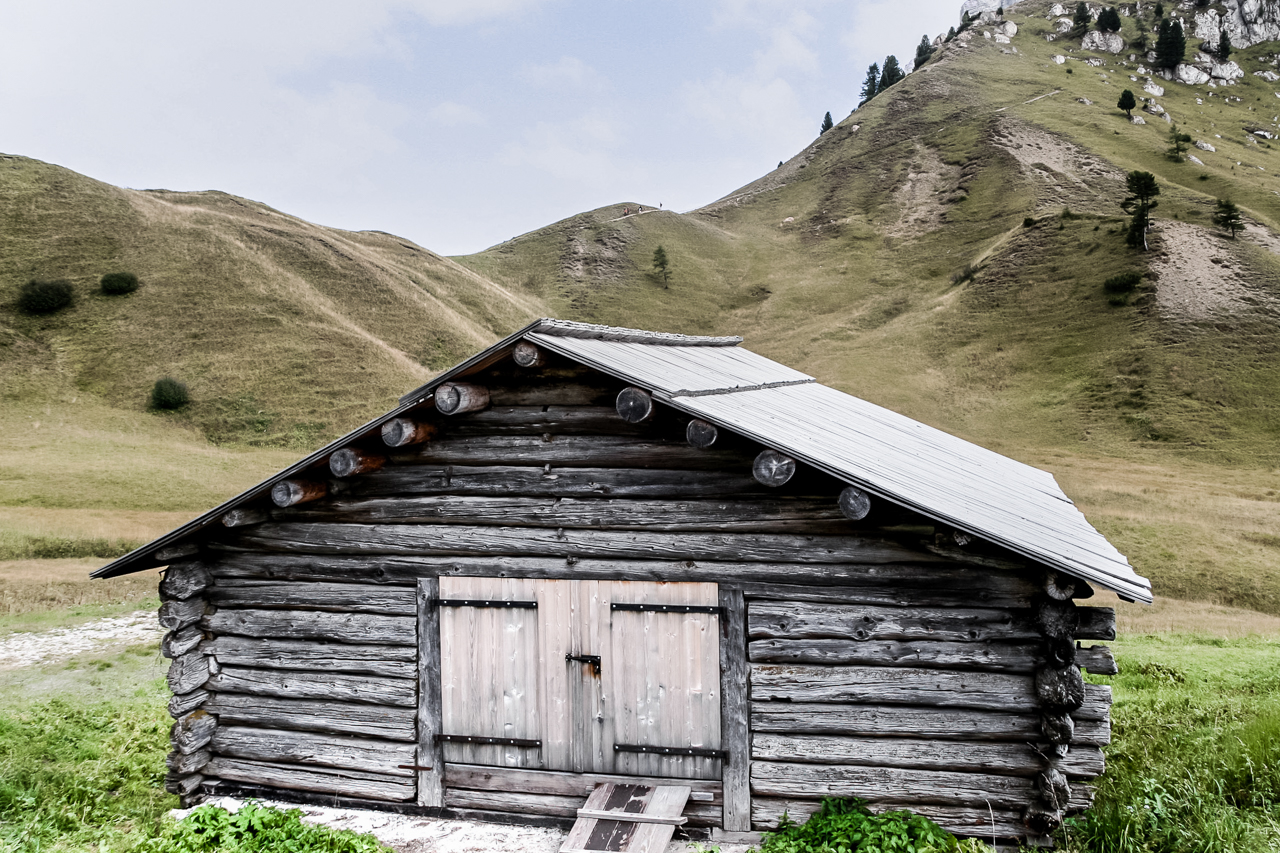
(592, 331)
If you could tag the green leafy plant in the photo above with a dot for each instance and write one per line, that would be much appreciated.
(1125, 282)
(118, 283)
(848, 826)
(169, 393)
(45, 297)
(252, 828)
(1127, 102)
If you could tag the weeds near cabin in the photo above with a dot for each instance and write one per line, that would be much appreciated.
(254, 827)
(848, 826)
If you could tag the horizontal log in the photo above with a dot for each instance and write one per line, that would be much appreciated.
(699, 814)
(800, 515)
(336, 597)
(322, 538)
(917, 586)
(185, 764)
(192, 731)
(519, 780)
(528, 355)
(392, 661)
(996, 657)
(1007, 759)
(176, 615)
(357, 628)
(177, 643)
(180, 706)
(1096, 623)
(188, 673)
(548, 420)
(980, 822)
(176, 552)
(385, 722)
(1096, 705)
(402, 432)
(554, 394)
(889, 784)
(184, 580)
(498, 480)
(351, 461)
(293, 684)
(351, 783)
(457, 398)
(881, 685)
(1097, 660)
(893, 721)
(182, 785)
(325, 750)
(805, 621)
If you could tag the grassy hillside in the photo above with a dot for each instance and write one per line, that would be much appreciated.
(286, 332)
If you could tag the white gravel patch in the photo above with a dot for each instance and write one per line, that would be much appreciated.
(34, 648)
(409, 834)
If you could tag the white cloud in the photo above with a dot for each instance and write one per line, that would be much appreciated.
(579, 151)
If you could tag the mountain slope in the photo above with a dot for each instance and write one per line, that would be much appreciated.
(285, 331)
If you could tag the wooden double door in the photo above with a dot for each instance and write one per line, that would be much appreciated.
(610, 677)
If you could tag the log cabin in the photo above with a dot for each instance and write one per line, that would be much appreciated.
(597, 556)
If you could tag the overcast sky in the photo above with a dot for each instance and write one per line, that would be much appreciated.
(455, 123)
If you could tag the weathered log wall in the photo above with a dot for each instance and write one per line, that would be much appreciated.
(868, 663)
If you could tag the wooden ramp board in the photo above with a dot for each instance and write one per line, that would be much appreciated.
(627, 819)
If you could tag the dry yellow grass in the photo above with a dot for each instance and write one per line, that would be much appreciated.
(1172, 616)
(42, 594)
(114, 524)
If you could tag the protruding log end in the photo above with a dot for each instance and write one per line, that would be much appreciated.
(456, 398)
(1057, 727)
(350, 461)
(1057, 619)
(293, 492)
(176, 552)
(1041, 820)
(701, 434)
(635, 405)
(1062, 587)
(1060, 689)
(401, 432)
(854, 503)
(184, 580)
(244, 517)
(183, 786)
(527, 355)
(773, 469)
(1059, 651)
(1053, 788)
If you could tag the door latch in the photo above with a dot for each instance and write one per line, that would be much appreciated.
(594, 660)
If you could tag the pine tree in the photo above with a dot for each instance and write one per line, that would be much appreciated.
(1109, 20)
(891, 72)
(1127, 102)
(1227, 216)
(1141, 200)
(1159, 11)
(924, 51)
(1223, 53)
(1171, 45)
(661, 264)
(1178, 144)
(1080, 20)
(827, 124)
(871, 86)
(951, 33)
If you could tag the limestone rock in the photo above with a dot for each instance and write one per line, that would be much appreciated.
(1247, 21)
(1154, 89)
(1194, 159)
(1097, 63)
(1098, 40)
(1137, 120)
(1063, 25)
(1225, 71)
(1008, 28)
(1269, 76)
(1059, 59)
(1204, 146)
(1190, 75)
(1265, 134)
(1153, 108)
(1057, 10)
(986, 34)
(1001, 38)
(1085, 101)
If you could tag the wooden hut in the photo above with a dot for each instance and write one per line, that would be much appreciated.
(593, 555)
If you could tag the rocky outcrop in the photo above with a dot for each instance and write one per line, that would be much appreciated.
(1154, 90)
(1059, 59)
(1204, 146)
(1137, 120)
(977, 7)
(1247, 21)
(1100, 41)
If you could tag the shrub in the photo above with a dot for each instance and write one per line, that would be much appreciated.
(965, 273)
(116, 283)
(1028, 222)
(169, 393)
(255, 827)
(1125, 282)
(45, 297)
(849, 825)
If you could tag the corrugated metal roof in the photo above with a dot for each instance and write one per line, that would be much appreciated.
(892, 456)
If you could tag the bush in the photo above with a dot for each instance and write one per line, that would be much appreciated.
(252, 828)
(1028, 222)
(1125, 282)
(965, 273)
(847, 825)
(169, 393)
(45, 297)
(117, 283)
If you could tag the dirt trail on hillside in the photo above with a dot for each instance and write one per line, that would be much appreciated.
(45, 647)
(1200, 277)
